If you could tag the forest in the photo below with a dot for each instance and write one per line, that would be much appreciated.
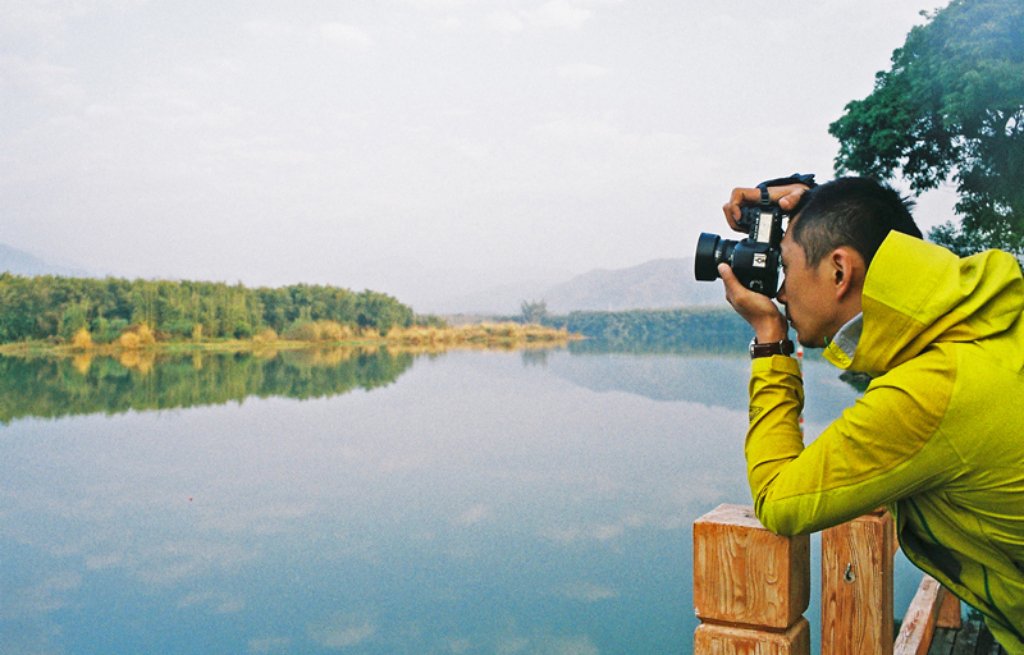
(57, 308)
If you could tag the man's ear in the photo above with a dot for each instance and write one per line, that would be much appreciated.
(846, 269)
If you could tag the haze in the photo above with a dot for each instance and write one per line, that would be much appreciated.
(425, 148)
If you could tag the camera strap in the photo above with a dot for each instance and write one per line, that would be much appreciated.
(807, 179)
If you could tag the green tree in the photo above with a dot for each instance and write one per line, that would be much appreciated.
(951, 107)
(533, 311)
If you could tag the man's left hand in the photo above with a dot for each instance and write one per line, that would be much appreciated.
(757, 309)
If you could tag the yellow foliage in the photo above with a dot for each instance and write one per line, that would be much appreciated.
(265, 336)
(140, 336)
(128, 341)
(141, 361)
(146, 336)
(82, 363)
(82, 340)
(322, 330)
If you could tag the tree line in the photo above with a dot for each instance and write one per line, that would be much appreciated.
(47, 307)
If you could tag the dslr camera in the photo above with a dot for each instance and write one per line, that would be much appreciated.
(756, 259)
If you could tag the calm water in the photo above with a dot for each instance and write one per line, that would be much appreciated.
(474, 502)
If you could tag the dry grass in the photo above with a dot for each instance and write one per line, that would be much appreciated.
(485, 334)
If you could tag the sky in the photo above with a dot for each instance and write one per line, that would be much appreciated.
(428, 149)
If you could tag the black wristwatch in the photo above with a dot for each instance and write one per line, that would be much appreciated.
(784, 347)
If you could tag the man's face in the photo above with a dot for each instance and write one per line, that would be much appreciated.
(808, 293)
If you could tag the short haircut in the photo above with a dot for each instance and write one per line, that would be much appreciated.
(850, 211)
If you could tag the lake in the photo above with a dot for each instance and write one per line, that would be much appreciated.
(534, 502)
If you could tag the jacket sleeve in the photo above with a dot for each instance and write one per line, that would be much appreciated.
(887, 446)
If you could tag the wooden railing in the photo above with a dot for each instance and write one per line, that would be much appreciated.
(751, 589)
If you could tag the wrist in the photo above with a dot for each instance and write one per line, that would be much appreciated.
(771, 331)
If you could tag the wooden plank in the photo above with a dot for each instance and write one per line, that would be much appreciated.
(856, 586)
(915, 635)
(949, 612)
(745, 575)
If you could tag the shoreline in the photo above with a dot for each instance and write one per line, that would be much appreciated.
(426, 339)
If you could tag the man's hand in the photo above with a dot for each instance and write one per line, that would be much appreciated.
(787, 196)
(757, 309)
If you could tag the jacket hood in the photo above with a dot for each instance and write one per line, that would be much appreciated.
(917, 293)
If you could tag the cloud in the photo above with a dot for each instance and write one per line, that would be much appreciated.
(39, 79)
(505, 22)
(43, 598)
(342, 631)
(554, 14)
(547, 645)
(602, 532)
(217, 602)
(268, 29)
(561, 14)
(473, 515)
(270, 645)
(345, 35)
(587, 592)
(582, 71)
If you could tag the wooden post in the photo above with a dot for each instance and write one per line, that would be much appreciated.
(856, 586)
(750, 587)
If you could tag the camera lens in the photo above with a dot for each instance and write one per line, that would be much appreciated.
(712, 250)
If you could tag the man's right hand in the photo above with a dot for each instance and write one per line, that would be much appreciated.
(787, 196)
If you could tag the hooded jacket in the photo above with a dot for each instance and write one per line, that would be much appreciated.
(938, 436)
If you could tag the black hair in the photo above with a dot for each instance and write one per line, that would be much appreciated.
(850, 211)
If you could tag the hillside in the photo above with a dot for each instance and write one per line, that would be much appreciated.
(660, 283)
(20, 262)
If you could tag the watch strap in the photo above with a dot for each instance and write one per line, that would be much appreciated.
(784, 347)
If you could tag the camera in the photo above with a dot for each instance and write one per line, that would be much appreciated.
(755, 260)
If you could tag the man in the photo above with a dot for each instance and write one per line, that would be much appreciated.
(938, 436)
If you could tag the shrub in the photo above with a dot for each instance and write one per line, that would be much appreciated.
(82, 340)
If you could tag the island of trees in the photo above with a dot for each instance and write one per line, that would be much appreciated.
(112, 313)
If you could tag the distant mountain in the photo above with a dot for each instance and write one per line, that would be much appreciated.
(657, 284)
(20, 262)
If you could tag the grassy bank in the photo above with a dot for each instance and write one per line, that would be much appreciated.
(417, 339)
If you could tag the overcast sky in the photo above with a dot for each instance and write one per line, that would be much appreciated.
(419, 147)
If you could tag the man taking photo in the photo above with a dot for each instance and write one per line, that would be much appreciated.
(938, 437)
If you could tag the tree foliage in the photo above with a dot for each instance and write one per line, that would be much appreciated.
(951, 108)
(46, 306)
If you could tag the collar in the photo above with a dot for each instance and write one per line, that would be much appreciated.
(841, 348)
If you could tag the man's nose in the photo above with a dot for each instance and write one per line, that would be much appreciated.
(781, 295)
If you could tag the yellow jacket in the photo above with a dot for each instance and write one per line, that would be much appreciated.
(938, 436)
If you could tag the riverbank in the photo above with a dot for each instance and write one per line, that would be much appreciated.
(429, 339)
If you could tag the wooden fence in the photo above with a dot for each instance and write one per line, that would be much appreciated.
(751, 589)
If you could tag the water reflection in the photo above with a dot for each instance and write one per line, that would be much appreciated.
(482, 502)
(55, 387)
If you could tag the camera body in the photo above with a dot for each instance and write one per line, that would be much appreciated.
(756, 259)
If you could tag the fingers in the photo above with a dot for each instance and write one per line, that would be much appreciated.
(756, 309)
(738, 197)
(787, 197)
(792, 196)
(732, 285)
